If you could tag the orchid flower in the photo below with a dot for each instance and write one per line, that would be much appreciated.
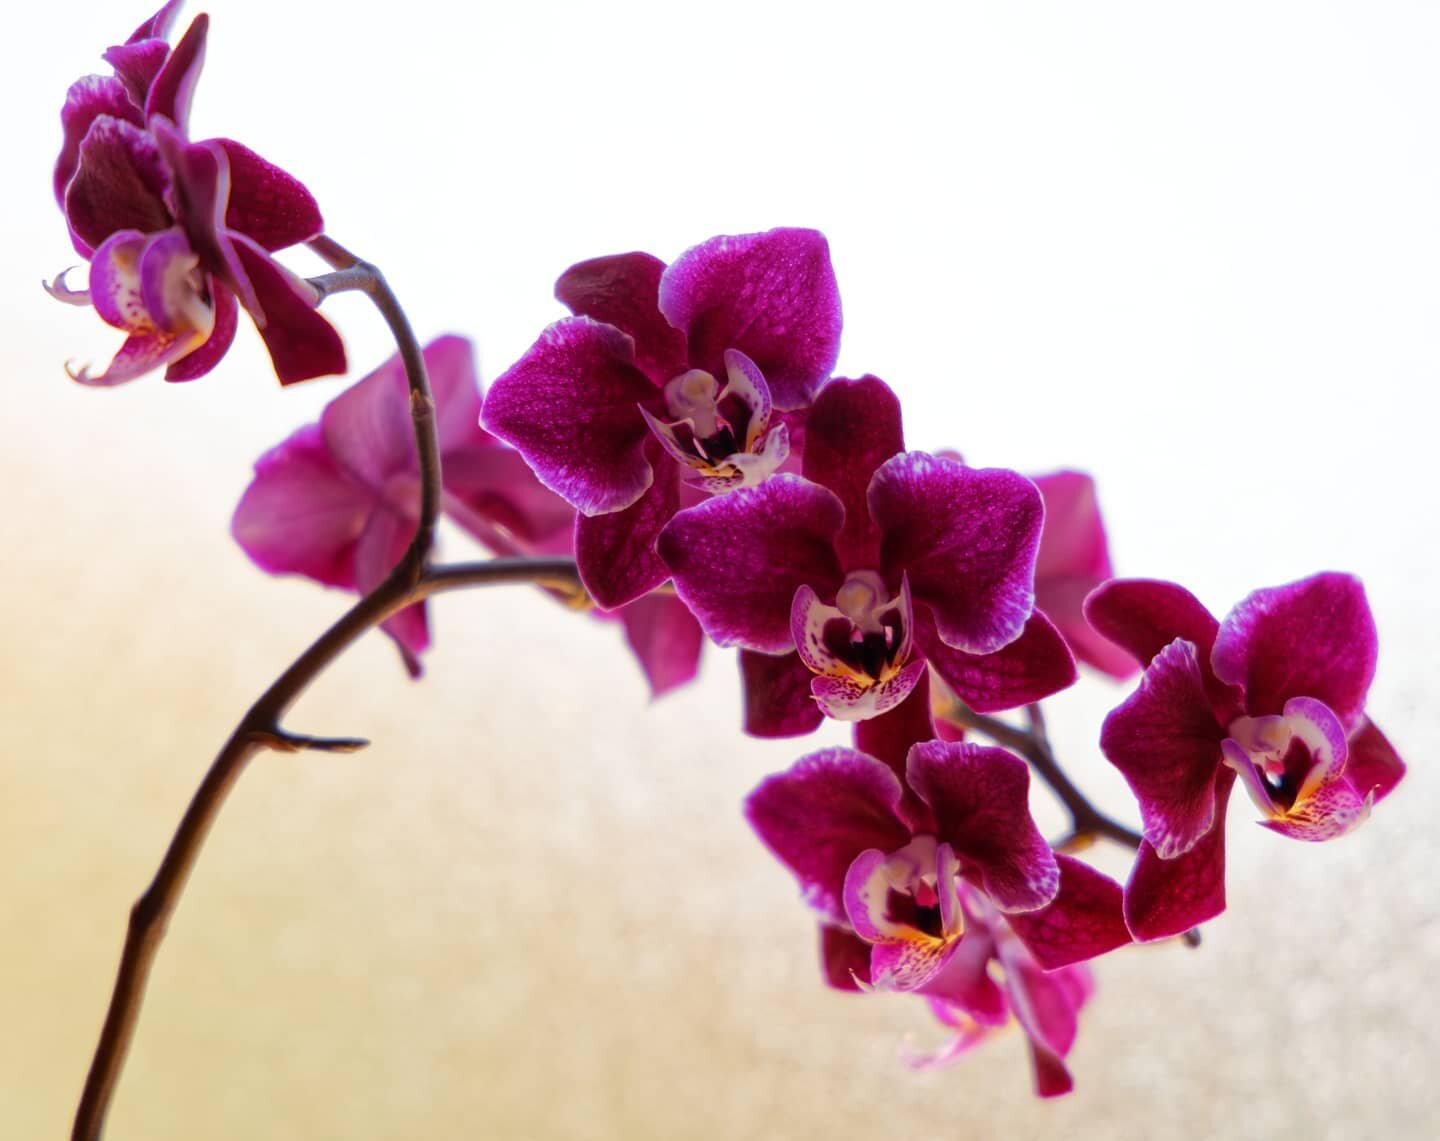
(1275, 694)
(668, 385)
(177, 233)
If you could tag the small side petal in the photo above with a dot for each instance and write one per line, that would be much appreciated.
(665, 639)
(616, 552)
(777, 699)
(302, 344)
(967, 538)
(1374, 768)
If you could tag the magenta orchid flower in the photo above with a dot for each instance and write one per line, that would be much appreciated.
(179, 233)
(1044, 1003)
(875, 563)
(339, 501)
(920, 894)
(1074, 559)
(1274, 694)
(667, 385)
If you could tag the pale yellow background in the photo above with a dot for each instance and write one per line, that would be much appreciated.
(1195, 255)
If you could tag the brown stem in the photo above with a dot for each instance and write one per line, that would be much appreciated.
(411, 581)
(1087, 821)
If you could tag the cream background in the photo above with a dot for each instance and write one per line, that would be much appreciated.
(1191, 249)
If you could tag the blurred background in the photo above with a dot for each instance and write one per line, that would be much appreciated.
(1191, 249)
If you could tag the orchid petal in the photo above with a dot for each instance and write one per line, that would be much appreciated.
(568, 405)
(1169, 897)
(1033, 666)
(823, 812)
(1166, 743)
(1374, 768)
(665, 639)
(777, 699)
(1085, 919)
(1313, 638)
(739, 559)
(772, 296)
(980, 799)
(967, 538)
(303, 513)
(853, 428)
(118, 184)
(302, 344)
(196, 364)
(171, 93)
(624, 290)
(379, 549)
(851, 699)
(616, 552)
(267, 205)
(88, 100)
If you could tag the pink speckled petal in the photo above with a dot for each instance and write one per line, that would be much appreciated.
(617, 552)
(772, 296)
(850, 699)
(302, 513)
(777, 697)
(1145, 615)
(1085, 919)
(569, 406)
(823, 812)
(739, 559)
(967, 538)
(624, 290)
(1034, 666)
(267, 205)
(1312, 638)
(980, 797)
(853, 428)
(1165, 741)
(1168, 897)
(118, 184)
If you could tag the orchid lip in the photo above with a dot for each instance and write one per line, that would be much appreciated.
(723, 434)
(865, 637)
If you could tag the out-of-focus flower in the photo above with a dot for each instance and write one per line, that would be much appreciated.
(1074, 559)
(874, 563)
(178, 232)
(920, 893)
(1274, 694)
(669, 383)
(339, 502)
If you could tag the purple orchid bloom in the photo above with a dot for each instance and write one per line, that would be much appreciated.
(668, 384)
(922, 892)
(1274, 694)
(875, 563)
(1074, 559)
(1045, 1003)
(177, 233)
(339, 501)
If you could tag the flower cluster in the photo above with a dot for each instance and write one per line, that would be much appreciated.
(179, 234)
(682, 437)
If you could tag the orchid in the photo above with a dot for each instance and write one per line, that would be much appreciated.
(920, 894)
(339, 501)
(875, 563)
(177, 232)
(1274, 694)
(670, 383)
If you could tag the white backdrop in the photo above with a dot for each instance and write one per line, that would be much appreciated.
(1191, 249)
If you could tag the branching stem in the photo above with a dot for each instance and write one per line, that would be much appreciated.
(412, 580)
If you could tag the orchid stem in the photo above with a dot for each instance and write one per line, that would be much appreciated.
(412, 580)
(1033, 743)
